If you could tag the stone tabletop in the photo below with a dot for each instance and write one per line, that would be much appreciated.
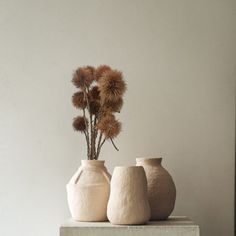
(174, 226)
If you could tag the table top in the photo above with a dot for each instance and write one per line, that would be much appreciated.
(173, 221)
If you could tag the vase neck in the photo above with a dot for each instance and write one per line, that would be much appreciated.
(95, 163)
(149, 161)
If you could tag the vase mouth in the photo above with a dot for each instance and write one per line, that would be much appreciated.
(128, 167)
(149, 160)
(92, 162)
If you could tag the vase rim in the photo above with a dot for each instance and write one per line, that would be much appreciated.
(127, 167)
(93, 162)
(149, 160)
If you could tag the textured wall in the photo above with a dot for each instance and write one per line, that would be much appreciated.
(178, 58)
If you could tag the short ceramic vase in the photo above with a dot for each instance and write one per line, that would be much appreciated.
(161, 188)
(88, 191)
(128, 202)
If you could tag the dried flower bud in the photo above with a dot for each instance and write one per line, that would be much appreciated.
(94, 93)
(82, 77)
(91, 69)
(94, 106)
(80, 123)
(113, 105)
(111, 86)
(100, 70)
(109, 126)
(79, 100)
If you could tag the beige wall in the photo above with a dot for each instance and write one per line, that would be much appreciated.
(178, 58)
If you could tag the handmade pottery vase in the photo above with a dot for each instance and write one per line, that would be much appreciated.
(161, 188)
(128, 202)
(88, 191)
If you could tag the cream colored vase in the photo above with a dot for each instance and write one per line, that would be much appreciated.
(161, 188)
(128, 202)
(88, 191)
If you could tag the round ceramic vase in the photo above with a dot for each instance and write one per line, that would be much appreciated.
(161, 188)
(88, 191)
(128, 202)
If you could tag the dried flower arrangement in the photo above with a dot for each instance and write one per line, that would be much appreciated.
(99, 97)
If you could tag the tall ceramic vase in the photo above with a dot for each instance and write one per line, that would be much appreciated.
(128, 202)
(161, 188)
(88, 191)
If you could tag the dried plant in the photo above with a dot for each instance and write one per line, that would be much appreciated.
(100, 96)
(101, 70)
(109, 126)
(78, 100)
(114, 105)
(80, 123)
(111, 85)
(83, 77)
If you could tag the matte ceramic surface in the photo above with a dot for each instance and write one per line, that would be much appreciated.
(88, 191)
(128, 202)
(161, 188)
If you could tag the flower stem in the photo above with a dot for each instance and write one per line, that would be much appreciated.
(114, 144)
(100, 146)
(91, 148)
(86, 135)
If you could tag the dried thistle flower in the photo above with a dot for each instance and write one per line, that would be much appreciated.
(111, 85)
(80, 123)
(113, 105)
(91, 69)
(94, 107)
(79, 100)
(82, 77)
(100, 71)
(94, 93)
(100, 94)
(109, 126)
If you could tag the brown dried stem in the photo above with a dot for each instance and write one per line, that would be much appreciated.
(86, 135)
(100, 146)
(99, 143)
(87, 141)
(114, 144)
(91, 128)
(95, 136)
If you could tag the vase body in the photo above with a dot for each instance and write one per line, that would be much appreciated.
(128, 202)
(161, 188)
(88, 191)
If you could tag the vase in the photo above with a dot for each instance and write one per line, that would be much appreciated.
(128, 201)
(161, 188)
(88, 191)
